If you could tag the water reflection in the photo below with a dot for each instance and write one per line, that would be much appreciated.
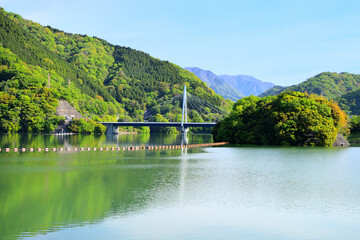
(42, 141)
(219, 193)
(182, 179)
(45, 191)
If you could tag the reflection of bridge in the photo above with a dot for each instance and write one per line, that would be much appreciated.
(183, 125)
(112, 126)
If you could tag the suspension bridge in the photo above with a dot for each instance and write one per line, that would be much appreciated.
(189, 101)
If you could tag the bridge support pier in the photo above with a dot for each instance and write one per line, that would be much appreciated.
(184, 131)
(184, 138)
(111, 129)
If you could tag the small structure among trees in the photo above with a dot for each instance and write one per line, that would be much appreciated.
(66, 110)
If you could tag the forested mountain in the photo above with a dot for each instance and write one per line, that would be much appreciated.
(232, 87)
(101, 80)
(327, 84)
(342, 87)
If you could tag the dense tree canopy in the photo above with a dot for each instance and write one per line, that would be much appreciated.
(28, 110)
(350, 102)
(291, 118)
(355, 124)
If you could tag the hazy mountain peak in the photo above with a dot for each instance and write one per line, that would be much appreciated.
(232, 87)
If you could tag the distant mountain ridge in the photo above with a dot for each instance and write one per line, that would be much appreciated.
(219, 85)
(344, 88)
(231, 87)
(247, 85)
(327, 84)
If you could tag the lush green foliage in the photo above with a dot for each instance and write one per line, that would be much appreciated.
(355, 124)
(86, 126)
(24, 44)
(350, 102)
(28, 110)
(100, 80)
(291, 118)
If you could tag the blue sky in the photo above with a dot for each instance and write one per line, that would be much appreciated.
(284, 42)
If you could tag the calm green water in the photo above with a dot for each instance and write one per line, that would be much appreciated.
(207, 193)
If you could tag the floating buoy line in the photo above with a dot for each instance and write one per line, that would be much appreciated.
(100, 149)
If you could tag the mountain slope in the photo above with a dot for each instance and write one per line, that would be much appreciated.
(246, 84)
(272, 91)
(330, 85)
(99, 79)
(232, 87)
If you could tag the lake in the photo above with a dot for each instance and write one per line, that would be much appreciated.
(227, 192)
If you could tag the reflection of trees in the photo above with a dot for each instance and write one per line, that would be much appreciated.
(30, 140)
(79, 140)
(84, 188)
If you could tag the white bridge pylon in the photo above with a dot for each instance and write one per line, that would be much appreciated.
(184, 113)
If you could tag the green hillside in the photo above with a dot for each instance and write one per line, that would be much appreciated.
(100, 80)
(272, 91)
(329, 85)
(350, 102)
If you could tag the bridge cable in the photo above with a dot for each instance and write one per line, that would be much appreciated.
(205, 103)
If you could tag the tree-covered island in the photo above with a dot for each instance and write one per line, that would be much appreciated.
(290, 118)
